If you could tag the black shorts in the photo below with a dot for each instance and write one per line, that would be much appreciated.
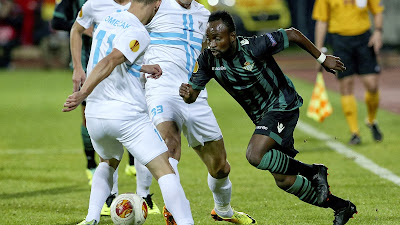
(279, 126)
(354, 52)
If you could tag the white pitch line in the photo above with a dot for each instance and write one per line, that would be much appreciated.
(361, 160)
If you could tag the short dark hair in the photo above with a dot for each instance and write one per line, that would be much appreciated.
(225, 17)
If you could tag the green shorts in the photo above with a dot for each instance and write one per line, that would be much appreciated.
(354, 52)
(279, 125)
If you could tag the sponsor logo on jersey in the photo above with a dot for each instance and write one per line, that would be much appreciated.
(80, 13)
(280, 127)
(248, 66)
(261, 128)
(273, 42)
(244, 42)
(196, 67)
(217, 68)
(134, 45)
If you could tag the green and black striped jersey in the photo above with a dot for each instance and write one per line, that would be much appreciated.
(252, 77)
(64, 17)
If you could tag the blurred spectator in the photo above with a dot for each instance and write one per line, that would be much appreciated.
(10, 25)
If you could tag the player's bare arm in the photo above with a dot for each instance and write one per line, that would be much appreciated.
(330, 63)
(188, 94)
(78, 75)
(101, 71)
(376, 38)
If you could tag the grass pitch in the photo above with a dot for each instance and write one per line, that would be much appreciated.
(42, 177)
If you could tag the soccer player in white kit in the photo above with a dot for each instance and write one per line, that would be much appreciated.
(91, 14)
(116, 109)
(177, 32)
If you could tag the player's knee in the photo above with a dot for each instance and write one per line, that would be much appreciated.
(219, 169)
(253, 159)
(174, 148)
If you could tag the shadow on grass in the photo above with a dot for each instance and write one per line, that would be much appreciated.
(52, 191)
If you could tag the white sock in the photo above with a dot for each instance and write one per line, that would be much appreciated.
(143, 179)
(115, 183)
(222, 191)
(174, 164)
(175, 199)
(101, 189)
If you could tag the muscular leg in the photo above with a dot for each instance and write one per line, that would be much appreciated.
(290, 175)
(170, 133)
(213, 155)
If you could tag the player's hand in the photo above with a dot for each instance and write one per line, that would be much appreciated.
(184, 90)
(376, 41)
(78, 78)
(73, 101)
(333, 64)
(154, 71)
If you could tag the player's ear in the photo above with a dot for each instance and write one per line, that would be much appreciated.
(232, 36)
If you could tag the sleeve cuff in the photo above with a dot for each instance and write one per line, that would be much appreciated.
(285, 38)
(196, 87)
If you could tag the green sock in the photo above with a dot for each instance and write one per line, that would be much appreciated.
(275, 161)
(302, 188)
(278, 162)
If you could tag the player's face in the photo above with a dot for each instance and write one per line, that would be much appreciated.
(185, 3)
(219, 39)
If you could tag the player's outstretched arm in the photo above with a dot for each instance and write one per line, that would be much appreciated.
(78, 75)
(188, 94)
(330, 63)
(101, 71)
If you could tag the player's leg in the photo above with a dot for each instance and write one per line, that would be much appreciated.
(150, 150)
(204, 135)
(143, 182)
(349, 106)
(267, 151)
(171, 189)
(372, 101)
(104, 134)
(213, 155)
(369, 71)
(271, 148)
(344, 47)
(88, 148)
(163, 112)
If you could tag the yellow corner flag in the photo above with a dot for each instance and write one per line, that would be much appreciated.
(319, 107)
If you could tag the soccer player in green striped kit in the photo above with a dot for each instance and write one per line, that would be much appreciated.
(245, 68)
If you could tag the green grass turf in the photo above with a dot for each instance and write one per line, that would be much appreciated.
(42, 177)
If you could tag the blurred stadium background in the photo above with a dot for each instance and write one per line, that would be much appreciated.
(42, 178)
(25, 29)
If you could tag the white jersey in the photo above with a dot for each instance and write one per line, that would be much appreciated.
(121, 94)
(94, 11)
(176, 41)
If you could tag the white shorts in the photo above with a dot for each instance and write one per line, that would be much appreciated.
(196, 120)
(139, 136)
